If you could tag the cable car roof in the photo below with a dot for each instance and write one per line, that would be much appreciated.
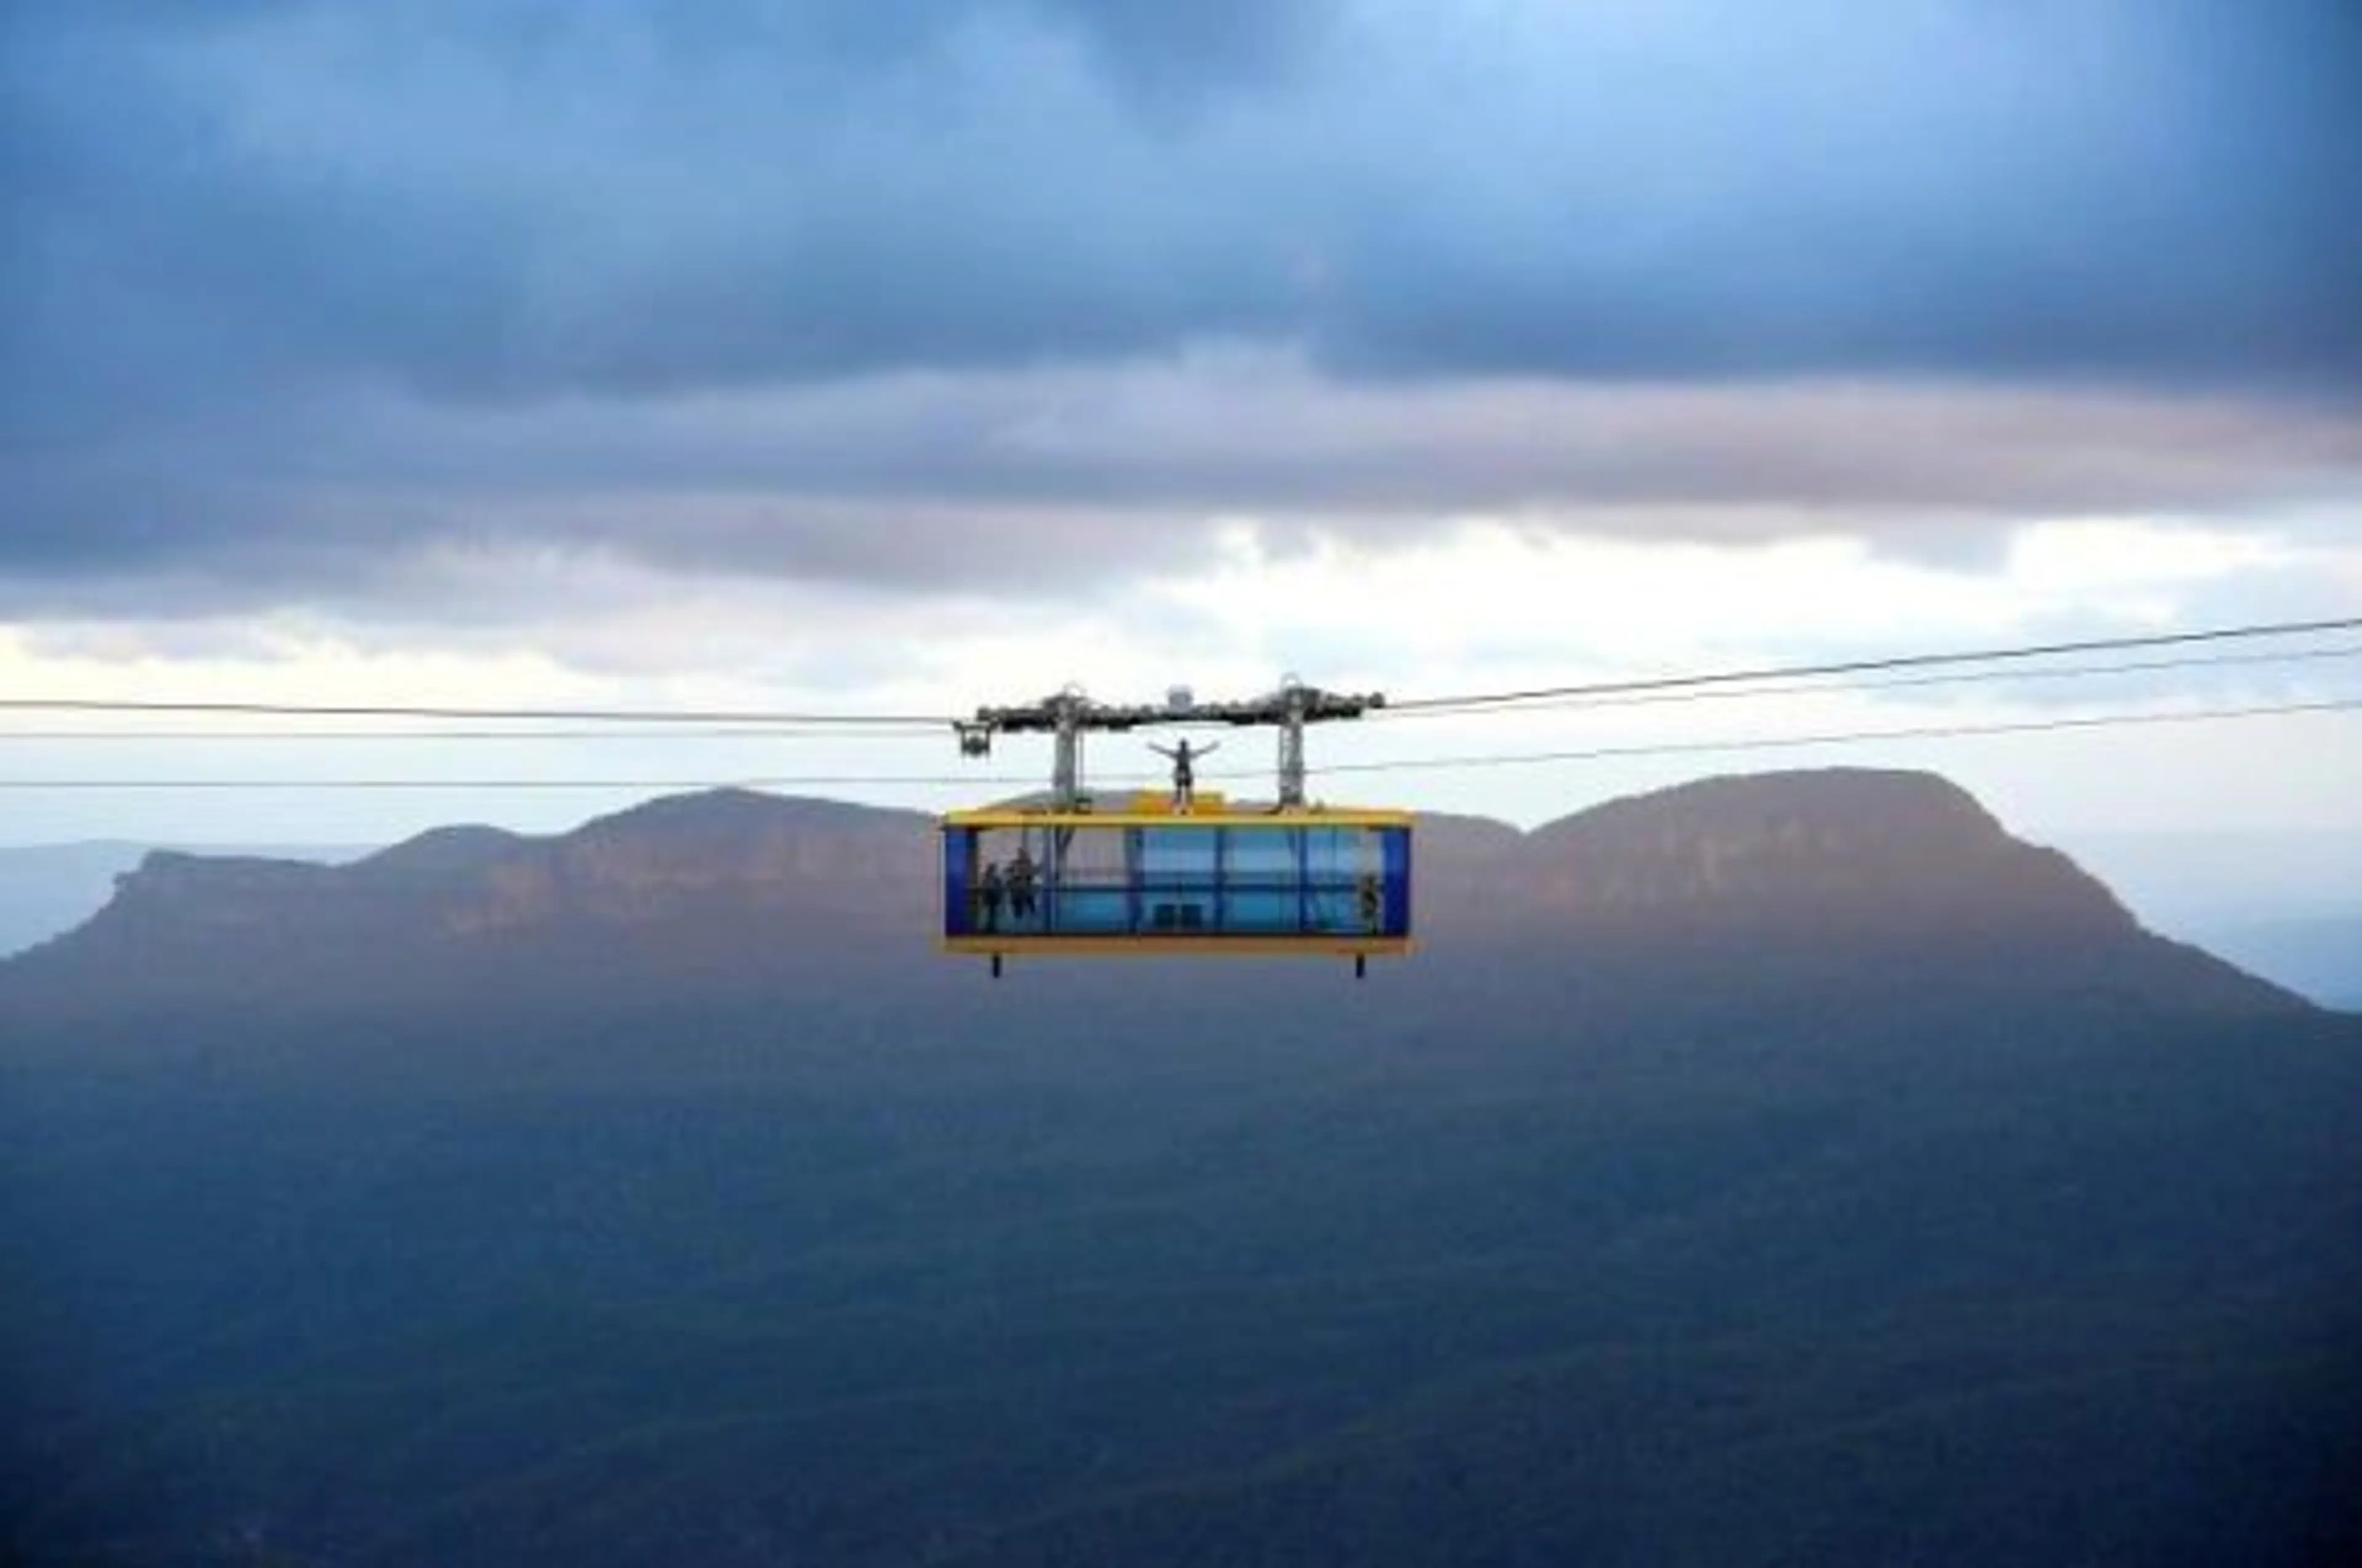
(1154, 808)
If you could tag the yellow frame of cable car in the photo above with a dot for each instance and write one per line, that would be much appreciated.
(1150, 809)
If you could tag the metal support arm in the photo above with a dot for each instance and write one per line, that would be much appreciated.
(1069, 716)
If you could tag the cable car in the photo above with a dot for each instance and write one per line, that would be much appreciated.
(1149, 876)
(1186, 872)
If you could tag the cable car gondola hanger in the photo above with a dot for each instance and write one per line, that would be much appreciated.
(1179, 872)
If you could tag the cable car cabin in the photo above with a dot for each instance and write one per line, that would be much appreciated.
(1147, 877)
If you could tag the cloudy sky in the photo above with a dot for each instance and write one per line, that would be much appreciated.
(907, 355)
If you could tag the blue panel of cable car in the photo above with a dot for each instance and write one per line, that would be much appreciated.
(1331, 879)
(1260, 883)
(1398, 875)
(959, 858)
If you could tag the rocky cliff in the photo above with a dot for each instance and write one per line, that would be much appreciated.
(732, 888)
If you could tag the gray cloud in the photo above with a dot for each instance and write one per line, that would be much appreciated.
(504, 200)
(1036, 482)
(293, 296)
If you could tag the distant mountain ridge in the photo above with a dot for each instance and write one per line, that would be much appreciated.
(737, 888)
(637, 864)
(1866, 850)
(45, 889)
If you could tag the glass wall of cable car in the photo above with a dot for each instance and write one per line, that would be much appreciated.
(1283, 878)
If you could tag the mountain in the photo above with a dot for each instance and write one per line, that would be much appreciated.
(736, 890)
(1869, 852)
(45, 889)
(699, 887)
(1776, 1170)
(1845, 879)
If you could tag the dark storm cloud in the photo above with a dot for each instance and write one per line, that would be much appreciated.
(292, 290)
(505, 198)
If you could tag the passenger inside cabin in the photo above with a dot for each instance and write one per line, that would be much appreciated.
(1021, 887)
(987, 894)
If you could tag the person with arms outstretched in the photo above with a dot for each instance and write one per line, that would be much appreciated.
(1185, 776)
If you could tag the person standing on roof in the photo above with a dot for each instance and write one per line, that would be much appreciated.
(1185, 776)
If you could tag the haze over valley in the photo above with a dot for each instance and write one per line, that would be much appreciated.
(1790, 1165)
